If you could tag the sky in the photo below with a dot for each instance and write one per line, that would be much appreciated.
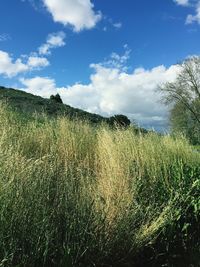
(103, 56)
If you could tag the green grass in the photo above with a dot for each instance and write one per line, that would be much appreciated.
(75, 195)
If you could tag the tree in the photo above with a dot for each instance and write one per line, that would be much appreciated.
(119, 121)
(56, 98)
(183, 96)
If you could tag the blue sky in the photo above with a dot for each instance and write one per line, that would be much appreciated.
(105, 56)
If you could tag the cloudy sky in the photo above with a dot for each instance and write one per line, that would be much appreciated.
(104, 56)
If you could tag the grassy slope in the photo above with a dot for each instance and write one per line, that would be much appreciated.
(75, 195)
(28, 103)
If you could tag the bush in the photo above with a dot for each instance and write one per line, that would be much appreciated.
(56, 98)
(119, 121)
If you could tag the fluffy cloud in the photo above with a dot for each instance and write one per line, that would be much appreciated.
(77, 13)
(37, 62)
(194, 18)
(34, 61)
(182, 2)
(53, 40)
(42, 86)
(112, 91)
(11, 68)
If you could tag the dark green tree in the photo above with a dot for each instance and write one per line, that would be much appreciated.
(56, 98)
(120, 120)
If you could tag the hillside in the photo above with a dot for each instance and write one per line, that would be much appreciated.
(28, 103)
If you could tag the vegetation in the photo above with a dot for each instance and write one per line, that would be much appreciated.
(184, 97)
(56, 98)
(30, 104)
(76, 195)
(119, 121)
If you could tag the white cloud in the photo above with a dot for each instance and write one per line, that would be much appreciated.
(42, 86)
(53, 40)
(77, 13)
(193, 4)
(113, 91)
(194, 18)
(37, 62)
(11, 68)
(117, 61)
(182, 2)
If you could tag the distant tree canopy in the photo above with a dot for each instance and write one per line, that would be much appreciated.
(56, 98)
(183, 96)
(119, 121)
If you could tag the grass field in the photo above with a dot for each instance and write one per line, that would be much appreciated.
(74, 195)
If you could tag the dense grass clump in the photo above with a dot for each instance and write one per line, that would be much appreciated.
(74, 195)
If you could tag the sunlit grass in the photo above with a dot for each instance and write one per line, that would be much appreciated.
(72, 195)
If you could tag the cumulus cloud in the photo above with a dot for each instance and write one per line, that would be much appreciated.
(112, 91)
(77, 13)
(53, 40)
(42, 86)
(11, 68)
(35, 61)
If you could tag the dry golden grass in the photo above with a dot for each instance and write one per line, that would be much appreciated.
(72, 194)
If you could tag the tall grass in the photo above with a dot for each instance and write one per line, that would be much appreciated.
(74, 195)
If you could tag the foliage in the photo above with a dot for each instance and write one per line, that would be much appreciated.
(76, 195)
(56, 98)
(184, 97)
(119, 121)
(182, 121)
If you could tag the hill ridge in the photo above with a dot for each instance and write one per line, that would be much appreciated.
(29, 103)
